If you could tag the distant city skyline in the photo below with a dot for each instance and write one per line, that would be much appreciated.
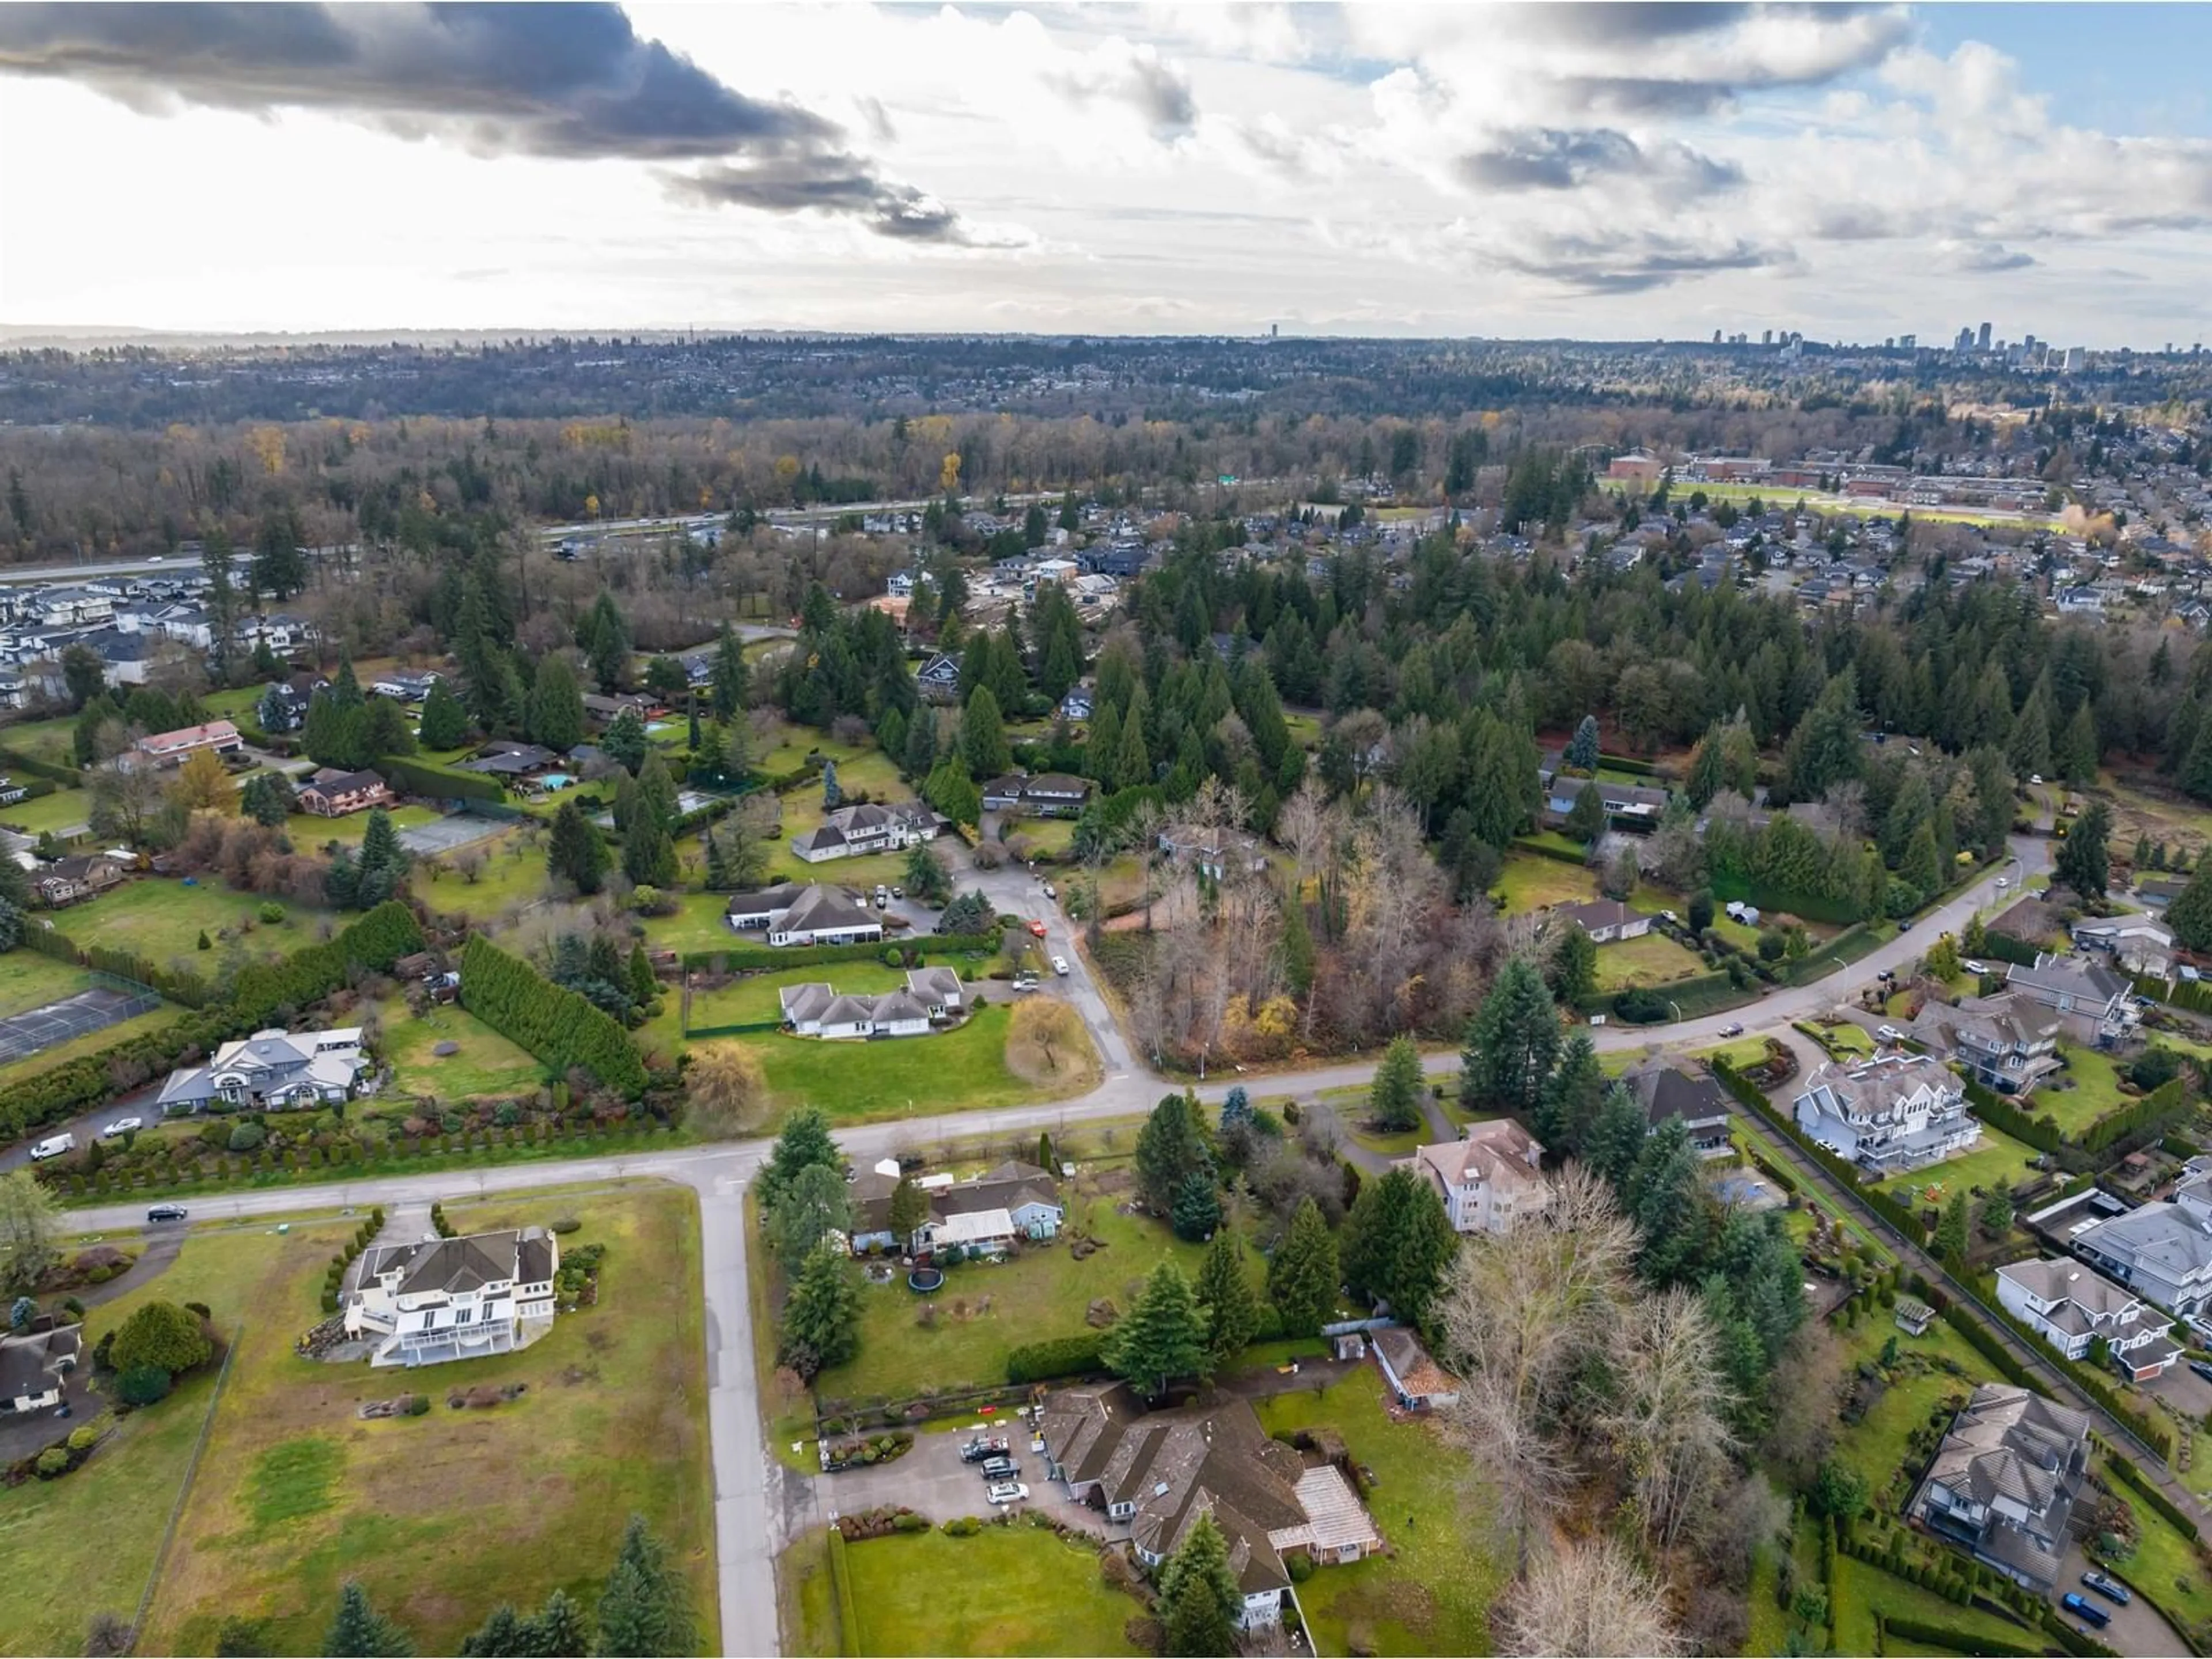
(1603, 172)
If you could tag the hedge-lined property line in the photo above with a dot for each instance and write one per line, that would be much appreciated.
(556, 1025)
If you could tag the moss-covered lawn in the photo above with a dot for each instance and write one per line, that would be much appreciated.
(485, 1063)
(311, 834)
(160, 918)
(63, 811)
(512, 875)
(1432, 1592)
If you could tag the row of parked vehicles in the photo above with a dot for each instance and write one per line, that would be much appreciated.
(994, 1455)
(2088, 1610)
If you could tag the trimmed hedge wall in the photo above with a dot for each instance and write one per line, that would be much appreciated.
(414, 777)
(68, 777)
(2001, 1114)
(739, 956)
(1064, 1356)
(2155, 1109)
(1953, 1641)
(2099, 1388)
(559, 1027)
(2007, 948)
(1896, 1214)
(2124, 1468)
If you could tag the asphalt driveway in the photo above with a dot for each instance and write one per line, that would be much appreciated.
(933, 1481)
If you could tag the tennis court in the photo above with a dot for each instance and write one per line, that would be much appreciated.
(451, 833)
(35, 1028)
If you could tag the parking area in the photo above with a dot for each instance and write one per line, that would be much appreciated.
(2135, 1629)
(2183, 1391)
(932, 1480)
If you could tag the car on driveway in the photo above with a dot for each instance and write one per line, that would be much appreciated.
(122, 1125)
(166, 1212)
(975, 1451)
(1889, 1034)
(1036, 927)
(2083, 1608)
(1049, 892)
(2202, 1368)
(1974, 967)
(1000, 1468)
(1060, 966)
(2110, 1589)
(1005, 1491)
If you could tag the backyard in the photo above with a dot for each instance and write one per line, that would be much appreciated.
(985, 1310)
(1653, 959)
(2095, 1092)
(1044, 1596)
(959, 1071)
(1531, 882)
(1431, 1593)
(161, 920)
(482, 1063)
(295, 1493)
(513, 875)
(63, 811)
(311, 833)
(1996, 1160)
(755, 998)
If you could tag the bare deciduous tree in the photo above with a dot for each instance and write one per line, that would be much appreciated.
(1667, 1421)
(1589, 1598)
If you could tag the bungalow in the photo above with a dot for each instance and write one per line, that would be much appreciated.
(939, 678)
(1048, 794)
(1487, 1179)
(510, 760)
(67, 880)
(456, 1298)
(1634, 804)
(939, 989)
(1605, 920)
(606, 710)
(815, 1009)
(1417, 1383)
(332, 793)
(804, 912)
(166, 749)
(2071, 1305)
(1159, 1471)
(854, 831)
(404, 685)
(34, 1368)
(1011, 1202)
(2156, 892)
(270, 1070)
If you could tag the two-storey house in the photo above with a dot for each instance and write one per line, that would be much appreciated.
(2091, 1002)
(456, 1298)
(2002, 1484)
(856, 831)
(2071, 1306)
(1888, 1115)
(1487, 1181)
(271, 1071)
(2006, 1043)
(2163, 1250)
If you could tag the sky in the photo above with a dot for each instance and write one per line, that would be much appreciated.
(1604, 171)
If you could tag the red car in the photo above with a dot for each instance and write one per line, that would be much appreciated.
(1036, 928)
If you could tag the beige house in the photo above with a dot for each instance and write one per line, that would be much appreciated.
(456, 1298)
(1489, 1179)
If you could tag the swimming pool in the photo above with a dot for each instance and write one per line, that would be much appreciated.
(555, 781)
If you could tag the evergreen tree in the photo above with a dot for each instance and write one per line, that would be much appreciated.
(2084, 857)
(359, 1631)
(445, 722)
(1397, 1243)
(574, 852)
(1225, 1291)
(1171, 1147)
(1707, 774)
(1197, 1208)
(832, 796)
(735, 758)
(1132, 767)
(983, 737)
(2196, 774)
(822, 1320)
(1163, 1337)
(1302, 1274)
(1101, 745)
(555, 712)
(1568, 1106)
(606, 639)
(1663, 1199)
(643, 987)
(1921, 867)
(1511, 1042)
(502, 1635)
(919, 754)
(890, 733)
(646, 1608)
(363, 881)
(385, 730)
(559, 1630)
(910, 1209)
(2190, 915)
(1616, 1139)
(1198, 1600)
(1395, 1099)
(1581, 748)
(1571, 970)
(2028, 748)
(2076, 756)
(802, 1143)
(1297, 948)
(729, 681)
(624, 740)
(1586, 817)
(267, 799)
(1954, 1230)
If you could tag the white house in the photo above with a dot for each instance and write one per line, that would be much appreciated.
(34, 1370)
(1605, 920)
(2071, 1305)
(1488, 1180)
(456, 1298)
(1889, 1114)
(1012, 1201)
(815, 1009)
(272, 1070)
(804, 912)
(854, 831)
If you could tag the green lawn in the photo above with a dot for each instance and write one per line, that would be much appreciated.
(1862, 1587)
(1014, 1590)
(697, 925)
(486, 1063)
(53, 740)
(755, 997)
(2165, 1566)
(1044, 837)
(1875, 1445)
(1530, 882)
(513, 875)
(1653, 959)
(1997, 1160)
(1741, 1053)
(1845, 1040)
(959, 1071)
(162, 919)
(63, 809)
(295, 1493)
(1431, 1593)
(1040, 1293)
(311, 833)
(2096, 1091)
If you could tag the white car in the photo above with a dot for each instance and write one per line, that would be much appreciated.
(1005, 1491)
(1972, 967)
(2003, 882)
(122, 1125)
(1060, 966)
(1049, 892)
(1888, 1034)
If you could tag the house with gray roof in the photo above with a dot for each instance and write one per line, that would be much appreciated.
(2006, 1042)
(2003, 1482)
(1158, 1472)
(815, 1009)
(854, 831)
(2092, 1000)
(456, 1298)
(270, 1070)
(2163, 1251)
(804, 912)
(1891, 1115)
(990, 1211)
(2070, 1305)
(35, 1367)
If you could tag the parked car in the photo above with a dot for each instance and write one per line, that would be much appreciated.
(1732, 1031)
(1000, 1468)
(2110, 1589)
(2082, 1607)
(1049, 892)
(122, 1125)
(1889, 1034)
(898, 892)
(1036, 927)
(2035, 778)
(975, 1451)
(166, 1212)
(2201, 1367)
(1905, 927)
(1060, 966)
(1974, 967)
(1005, 1491)
(54, 1147)
(2003, 882)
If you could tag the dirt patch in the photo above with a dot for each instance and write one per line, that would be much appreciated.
(1101, 1314)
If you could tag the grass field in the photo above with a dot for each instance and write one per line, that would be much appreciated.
(161, 920)
(63, 811)
(961, 1070)
(1998, 1159)
(1431, 1592)
(1040, 1293)
(2096, 1091)
(311, 834)
(1530, 882)
(1044, 1596)
(1653, 959)
(1043, 837)
(295, 1493)
(486, 1064)
(513, 875)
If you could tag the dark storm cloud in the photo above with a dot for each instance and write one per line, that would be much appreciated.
(1548, 158)
(1631, 264)
(571, 82)
(821, 184)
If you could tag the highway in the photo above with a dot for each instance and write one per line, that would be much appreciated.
(749, 1530)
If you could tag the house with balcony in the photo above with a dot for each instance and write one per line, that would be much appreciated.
(2071, 1305)
(2003, 1482)
(855, 831)
(167, 749)
(804, 912)
(1888, 1115)
(2163, 1250)
(270, 1070)
(2006, 1043)
(1487, 1180)
(2091, 1001)
(456, 1298)
(332, 793)
(1157, 1472)
(1702, 1105)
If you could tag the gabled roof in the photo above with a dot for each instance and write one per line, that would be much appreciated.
(1666, 1093)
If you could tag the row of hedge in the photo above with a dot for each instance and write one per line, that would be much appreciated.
(371, 944)
(2155, 1109)
(2001, 1114)
(1896, 1214)
(1992, 1348)
(2123, 1467)
(2006, 948)
(67, 776)
(177, 984)
(2194, 994)
(414, 777)
(556, 1025)
(743, 958)
(1061, 1356)
(1919, 1630)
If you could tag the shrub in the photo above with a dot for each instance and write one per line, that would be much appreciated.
(83, 1439)
(52, 1462)
(272, 913)
(418, 1405)
(567, 1223)
(1066, 1356)
(143, 1385)
(966, 1526)
(248, 1136)
(558, 1026)
(161, 1334)
(909, 1521)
